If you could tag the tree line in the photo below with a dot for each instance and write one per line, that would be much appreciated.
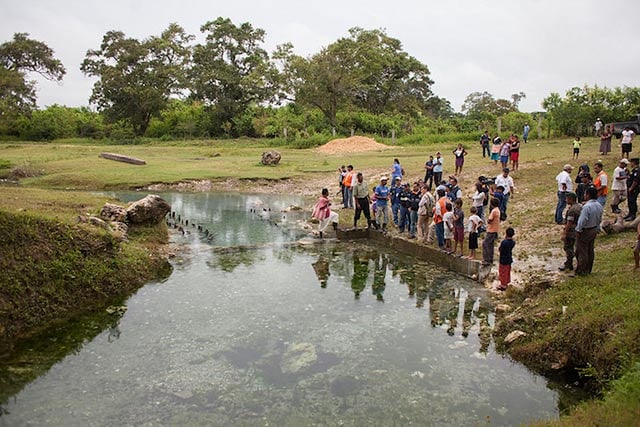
(228, 85)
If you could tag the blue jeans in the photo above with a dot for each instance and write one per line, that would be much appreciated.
(485, 147)
(505, 202)
(347, 199)
(440, 234)
(562, 203)
(414, 223)
(404, 219)
(602, 200)
(395, 209)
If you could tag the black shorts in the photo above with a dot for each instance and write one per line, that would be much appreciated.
(626, 148)
(576, 150)
(473, 240)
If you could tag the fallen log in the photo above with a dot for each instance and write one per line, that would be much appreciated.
(620, 225)
(122, 158)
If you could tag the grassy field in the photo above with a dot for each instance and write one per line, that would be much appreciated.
(598, 334)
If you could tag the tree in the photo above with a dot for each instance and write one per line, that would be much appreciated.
(231, 71)
(137, 79)
(18, 58)
(366, 71)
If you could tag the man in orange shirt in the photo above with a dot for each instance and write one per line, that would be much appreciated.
(601, 183)
(438, 213)
(493, 228)
(347, 182)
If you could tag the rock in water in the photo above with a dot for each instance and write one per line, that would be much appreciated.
(298, 357)
(270, 158)
(150, 210)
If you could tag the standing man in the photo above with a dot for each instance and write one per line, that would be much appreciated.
(484, 142)
(569, 232)
(586, 230)
(428, 173)
(438, 214)
(437, 168)
(633, 189)
(565, 185)
(619, 185)
(348, 188)
(362, 200)
(601, 183)
(396, 189)
(525, 132)
(627, 138)
(598, 126)
(507, 182)
(493, 228)
(382, 201)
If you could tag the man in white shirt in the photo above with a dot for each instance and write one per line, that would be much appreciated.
(507, 182)
(619, 185)
(565, 185)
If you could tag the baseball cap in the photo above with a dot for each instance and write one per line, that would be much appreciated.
(383, 178)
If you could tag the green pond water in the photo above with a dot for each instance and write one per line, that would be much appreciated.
(262, 325)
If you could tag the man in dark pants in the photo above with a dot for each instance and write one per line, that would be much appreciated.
(569, 232)
(361, 196)
(633, 189)
(586, 230)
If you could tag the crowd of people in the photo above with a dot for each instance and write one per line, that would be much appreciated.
(438, 215)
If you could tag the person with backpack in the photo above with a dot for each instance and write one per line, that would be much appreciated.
(425, 211)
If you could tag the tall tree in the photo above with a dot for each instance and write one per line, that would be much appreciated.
(231, 71)
(368, 70)
(137, 79)
(18, 58)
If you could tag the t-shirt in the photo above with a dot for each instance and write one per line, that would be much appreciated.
(507, 183)
(493, 221)
(437, 164)
(397, 171)
(459, 214)
(381, 192)
(627, 136)
(474, 222)
(478, 198)
(619, 184)
(448, 220)
(504, 150)
(601, 182)
(576, 143)
(564, 178)
(484, 139)
(506, 251)
(526, 131)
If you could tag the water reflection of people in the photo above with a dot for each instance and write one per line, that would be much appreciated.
(360, 274)
(379, 276)
(321, 267)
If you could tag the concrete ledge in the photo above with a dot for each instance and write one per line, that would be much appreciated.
(470, 268)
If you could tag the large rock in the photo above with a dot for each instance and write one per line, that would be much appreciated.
(270, 158)
(150, 210)
(111, 212)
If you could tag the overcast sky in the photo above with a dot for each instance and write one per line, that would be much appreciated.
(501, 46)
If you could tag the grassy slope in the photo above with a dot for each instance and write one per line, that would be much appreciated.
(52, 266)
(599, 332)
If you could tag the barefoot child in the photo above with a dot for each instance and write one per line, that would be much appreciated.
(474, 223)
(506, 259)
(458, 227)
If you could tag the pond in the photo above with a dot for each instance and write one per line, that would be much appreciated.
(261, 325)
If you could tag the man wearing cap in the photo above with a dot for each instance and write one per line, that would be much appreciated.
(565, 184)
(619, 185)
(507, 182)
(569, 232)
(382, 198)
(633, 189)
(587, 229)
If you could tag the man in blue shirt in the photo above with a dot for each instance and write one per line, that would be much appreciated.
(382, 198)
(587, 228)
(525, 132)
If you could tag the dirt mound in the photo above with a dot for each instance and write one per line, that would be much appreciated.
(352, 144)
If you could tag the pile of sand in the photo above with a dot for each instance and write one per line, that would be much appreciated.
(354, 144)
